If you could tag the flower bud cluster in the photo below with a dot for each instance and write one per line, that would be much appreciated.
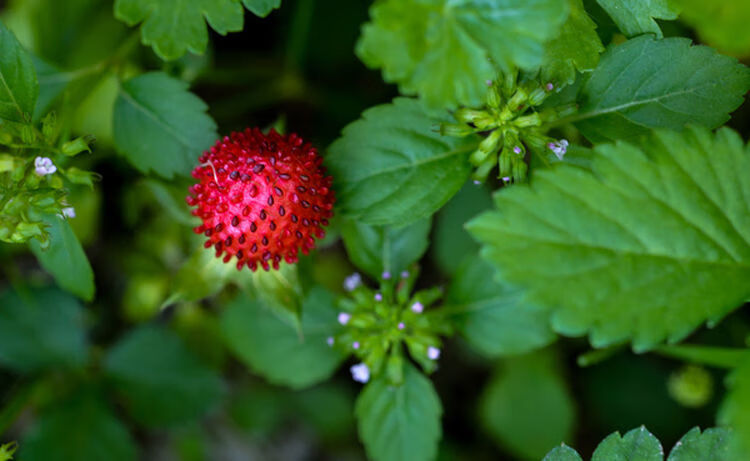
(380, 325)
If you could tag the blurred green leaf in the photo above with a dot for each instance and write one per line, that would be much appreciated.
(81, 428)
(377, 249)
(275, 349)
(7, 450)
(65, 259)
(41, 328)
(403, 173)
(52, 83)
(495, 320)
(444, 51)
(160, 126)
(735, 410)
(672, 85)
(201, 276)
(636, 17)
(527, 407)
(400, 423)
(646, 247)
(328, 408)
(563, 453)
(722, 25)
(18, 84)
(261, 7)
(160, 380)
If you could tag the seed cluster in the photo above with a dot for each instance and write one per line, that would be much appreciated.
(262, 198)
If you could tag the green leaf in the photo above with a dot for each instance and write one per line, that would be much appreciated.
(159, 378)
(400, 423)
(722, 25)
(65, 259)
(52, 83)
(173, 27)
(201, 276)
(275, 349)
(495, 320)
(18, 85)
(82, 428)
(637, 445)
(711, 445)
(7, 450)
(444, 51)
(563, 453)
(377, 249)
(393, 167)
(577, 47)
(39, 329)
(527, 407)
(735, 410)
(261, 7)
(647, 246)
(160, 126)
(646, 83)
(635, 17)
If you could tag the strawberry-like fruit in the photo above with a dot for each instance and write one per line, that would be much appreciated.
(262, 198)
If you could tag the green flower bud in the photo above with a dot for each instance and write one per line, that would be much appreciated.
(537, 96)
(505, 164)
(451, 129)
(494, 99)
(465, 115)
(394, 368)
(491, 142)
(80, 177)
(77, 145)
(528, 120)
(520, 169)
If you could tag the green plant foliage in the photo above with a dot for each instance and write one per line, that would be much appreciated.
(261, 7)
(278, 351)
(405, 173)
(400, 423)
(640, 445)
(733, 412)
(495, 320)
(18, 84)
(647, 246)
(159, 378)
(65, 259)
(635, 17)
(41, 329)
(444, 51)
(82, 427)
(160, 126)
(673, 84)
(377, 249)
(722, 25)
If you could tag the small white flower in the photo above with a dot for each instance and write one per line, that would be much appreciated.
(330, 340)
(352, 282)
(386, 275)
(417, 307)
(355, 345)
(433, 353)
(360, 373)
(69, 212)
(559, 148)
(517, 150)
(44, 166)
(344, 317)
(476, 183)
(401, 325)
(378, 297)
(549, 87)
(506, 179)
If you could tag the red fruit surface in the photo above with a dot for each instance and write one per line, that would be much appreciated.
(262, 198)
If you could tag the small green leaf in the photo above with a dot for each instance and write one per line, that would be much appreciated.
(722, 25)
(376, 249)
(261, 7)
(647, 246)
(18, 84)
(393, 167)
(646, 83)
(577, 47)
(7, 450)
(711, 445)
(65, 259)
(637, 445)
(39, 329)
(82, 428)
(159, 378)
(527, 407)
(160, 126)
(495, 320)
(563, 453)
(636, 17)
(275, 349)
(400, 423)
(444, 51)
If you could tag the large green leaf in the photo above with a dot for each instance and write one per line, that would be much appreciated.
(495, 320)
(378, 249)
(647, 83)
(82, 428)
(18, 85)
(65, 259)
(276, 349)
(160, 126)
(577, 47)
(444, 50)
(722, 25)
(635, 17)
(41, 329)
(647, 246)
(400, 423)
(162, 382)
(393, 167)
(527, 407)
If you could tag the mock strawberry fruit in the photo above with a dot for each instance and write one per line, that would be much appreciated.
(262, 198)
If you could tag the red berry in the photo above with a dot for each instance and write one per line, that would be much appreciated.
(262, 198)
